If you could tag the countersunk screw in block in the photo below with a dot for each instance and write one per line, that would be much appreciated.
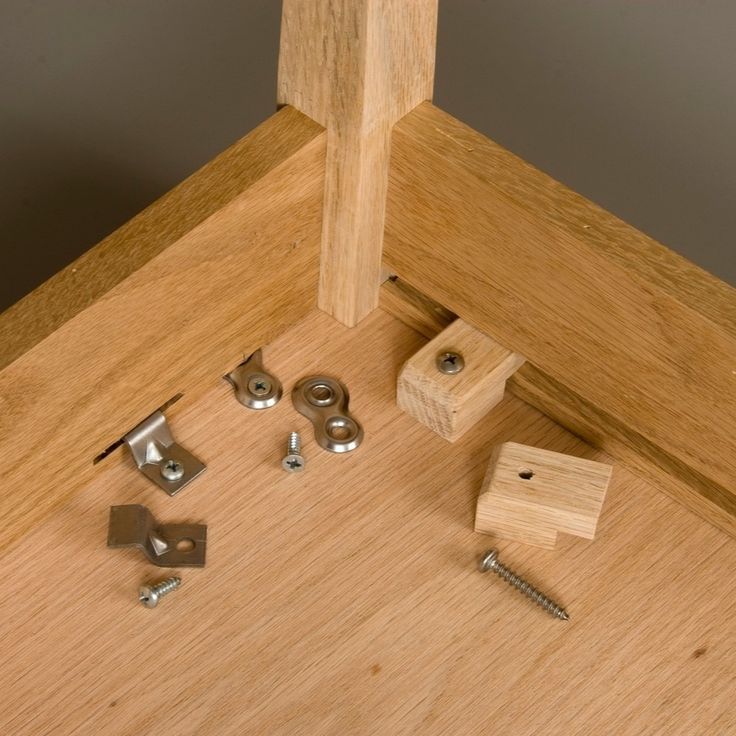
(293, 462)
(450, 363)
(150, 595)
(490, 561)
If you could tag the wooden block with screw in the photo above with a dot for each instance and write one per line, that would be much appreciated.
(530, 495)
(455, 379)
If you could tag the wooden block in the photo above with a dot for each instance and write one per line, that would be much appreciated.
(530, 495)
(451, 404)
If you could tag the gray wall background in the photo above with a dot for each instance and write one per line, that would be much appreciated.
(106, 104)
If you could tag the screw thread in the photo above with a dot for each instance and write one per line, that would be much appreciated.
(295, 444)
(165, 587)
(554, 609)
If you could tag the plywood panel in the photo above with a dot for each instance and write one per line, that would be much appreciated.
(345, 599)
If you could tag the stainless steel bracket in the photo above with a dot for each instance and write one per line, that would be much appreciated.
(159, 457)
(166, 545)
(254, 386)
(324, 401)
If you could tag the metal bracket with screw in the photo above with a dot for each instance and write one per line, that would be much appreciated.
(150, 595)
(254, 386)
(293, 462)
(159, 457)
(166, 545)
(324, 401)
(490, 561)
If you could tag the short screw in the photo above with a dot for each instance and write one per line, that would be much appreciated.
(450, 363)
(172, 470)
(490, 561)
(150, 595)
(293, 462)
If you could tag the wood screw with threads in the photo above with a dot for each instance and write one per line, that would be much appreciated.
(490, 561)
(293, 462)
(150, 595)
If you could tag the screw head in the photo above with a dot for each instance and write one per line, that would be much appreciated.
(293, 463)
(488, 560)
(148, 596)
(172, 470)
(450, 363)
(260, 385)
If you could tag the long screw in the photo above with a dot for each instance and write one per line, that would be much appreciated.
(150, 595)
(490, 561)
(293, 462)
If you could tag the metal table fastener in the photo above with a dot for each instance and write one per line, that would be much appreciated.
(166, 545)
(254, 386)
(159, 457)
(324, 401)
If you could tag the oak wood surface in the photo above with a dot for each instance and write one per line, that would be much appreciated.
(149, 233)
(530, 495)
(204, 276)
(452, 404)
(428, 317)
(413, 308)
(640, 342)
(345, 599)
(356, 67)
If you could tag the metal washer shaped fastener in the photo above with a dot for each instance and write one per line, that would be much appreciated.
(254, 386)
(324, 401)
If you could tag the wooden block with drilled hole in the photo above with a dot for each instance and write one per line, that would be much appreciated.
(529, 495)
(451, 404)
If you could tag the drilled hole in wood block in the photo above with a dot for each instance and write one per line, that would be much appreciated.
(530, 495)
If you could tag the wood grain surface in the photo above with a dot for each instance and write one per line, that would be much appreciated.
(188, 205)
(452, 404)
(530, 495)
(629, 344)
(345, 600)
(356, 67)
(413, 308)
(428, 317)
(210, 291)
